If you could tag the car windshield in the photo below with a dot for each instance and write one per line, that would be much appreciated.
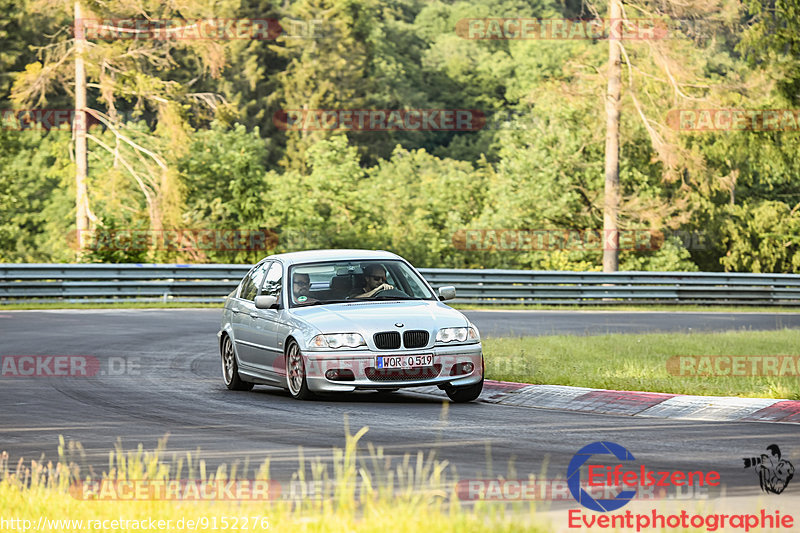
(344, 281)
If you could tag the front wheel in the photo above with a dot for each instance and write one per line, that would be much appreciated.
(465, 394)
(296, 373)
(230, 368)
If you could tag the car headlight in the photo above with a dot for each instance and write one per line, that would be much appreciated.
(468, 334)
(338, 340)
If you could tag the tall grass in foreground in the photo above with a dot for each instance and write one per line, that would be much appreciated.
(360, 493)
(639, 361)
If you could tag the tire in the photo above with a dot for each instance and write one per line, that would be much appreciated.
(465, 394)
(296, 380)
(230, 368)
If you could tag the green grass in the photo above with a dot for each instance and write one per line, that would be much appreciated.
(369, 493)
(638, 362)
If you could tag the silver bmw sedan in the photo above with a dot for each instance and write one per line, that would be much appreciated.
(345, 320)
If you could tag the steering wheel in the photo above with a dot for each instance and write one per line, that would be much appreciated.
(357, 296)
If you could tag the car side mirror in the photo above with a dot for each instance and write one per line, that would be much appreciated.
(265, 301)
(447, 293)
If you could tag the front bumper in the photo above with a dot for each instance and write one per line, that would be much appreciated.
(366, 376)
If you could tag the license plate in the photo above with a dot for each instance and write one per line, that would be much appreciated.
(404, 361)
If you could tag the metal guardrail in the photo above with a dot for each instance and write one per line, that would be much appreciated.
(210, 283)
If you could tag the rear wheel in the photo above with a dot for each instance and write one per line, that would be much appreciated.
(230, 368)
(296, 373)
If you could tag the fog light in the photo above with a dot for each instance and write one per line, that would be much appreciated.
(461, 369)
(340, 374)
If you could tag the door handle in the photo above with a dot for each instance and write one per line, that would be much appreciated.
(235, 311)
(253, 315)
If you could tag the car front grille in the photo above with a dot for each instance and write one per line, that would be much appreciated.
(402, 374)
(415, 338)
(387, 340)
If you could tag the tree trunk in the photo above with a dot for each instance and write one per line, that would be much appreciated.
(79, 132)
(611, 194)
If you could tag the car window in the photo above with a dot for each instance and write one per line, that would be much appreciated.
(253, 281)
(337, 281)
(245, 285)
(273, 281)
(405, 283)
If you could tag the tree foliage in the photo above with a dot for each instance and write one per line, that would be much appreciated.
(206, 108)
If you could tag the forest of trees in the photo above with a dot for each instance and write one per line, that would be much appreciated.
(185, 132)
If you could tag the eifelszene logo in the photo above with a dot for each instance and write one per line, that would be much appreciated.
(574, 476)
(612, 477)
(774, 473)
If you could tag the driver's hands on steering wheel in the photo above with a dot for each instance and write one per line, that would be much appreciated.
(379, 288)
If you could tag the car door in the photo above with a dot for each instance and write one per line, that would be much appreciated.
(243, 315)
(269, 355)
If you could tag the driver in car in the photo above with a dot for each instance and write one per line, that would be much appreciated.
(374, 281)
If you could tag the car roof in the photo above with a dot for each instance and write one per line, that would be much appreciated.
(309, 256)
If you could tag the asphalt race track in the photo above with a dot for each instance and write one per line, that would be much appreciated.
(523, 323)
(160, 374)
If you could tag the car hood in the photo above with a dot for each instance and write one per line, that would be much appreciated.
(381, 316)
